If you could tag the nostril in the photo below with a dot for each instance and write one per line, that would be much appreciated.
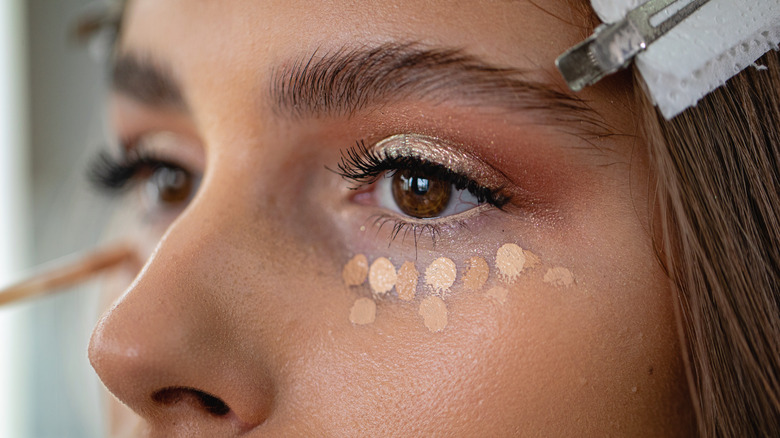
(211, 404)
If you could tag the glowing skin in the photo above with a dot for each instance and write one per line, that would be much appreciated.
(243, 297)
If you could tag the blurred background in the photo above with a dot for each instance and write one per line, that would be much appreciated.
(51, 123)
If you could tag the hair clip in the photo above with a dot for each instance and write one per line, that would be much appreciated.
(612, 47)
(682, 49)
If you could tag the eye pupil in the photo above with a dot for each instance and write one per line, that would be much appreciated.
(170, 185)
(420, 196)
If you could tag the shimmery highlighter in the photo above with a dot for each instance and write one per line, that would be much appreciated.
(476, 274)
(559, 277)
(355, 271)
(434, 313)
(510, 260)
(406, 286)
(382, 276)
(441, 274)
(363, 311)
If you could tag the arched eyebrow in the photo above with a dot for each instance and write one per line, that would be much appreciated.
(345, 81)
(147, 81)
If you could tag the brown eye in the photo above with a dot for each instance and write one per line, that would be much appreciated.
(169, 186)
(420, 196)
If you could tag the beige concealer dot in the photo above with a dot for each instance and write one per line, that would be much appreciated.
(498, 294)
(441, 274)
(434, 313)
(559, 277)
(510, 261)
(363, 311)
(406, 286)
(355, 271)
(382, 276)
(476, 274)
(531, 259)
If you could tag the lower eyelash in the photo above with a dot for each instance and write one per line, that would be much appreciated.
(403, 228)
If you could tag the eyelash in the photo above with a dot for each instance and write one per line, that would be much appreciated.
(112, 174)
(364, 166)
(359, 164)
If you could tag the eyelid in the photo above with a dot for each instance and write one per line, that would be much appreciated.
(170, 146)
(444, 153)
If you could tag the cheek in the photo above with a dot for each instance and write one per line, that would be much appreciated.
(505, 335)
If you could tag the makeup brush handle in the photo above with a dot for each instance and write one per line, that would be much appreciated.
(70, 271)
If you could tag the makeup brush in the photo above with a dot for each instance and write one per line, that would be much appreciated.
(68, 271)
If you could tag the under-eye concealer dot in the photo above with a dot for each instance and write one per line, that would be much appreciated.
(355, 271)
(363, 311)
(441, 274)
(510, 261)
(382, 276)
(476, 274)
(531, 259)
(434, 313)
(559, 277)
(498, 294)
(406, 286)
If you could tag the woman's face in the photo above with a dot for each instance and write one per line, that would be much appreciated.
(278, 300)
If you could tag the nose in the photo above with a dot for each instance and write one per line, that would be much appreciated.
(172, 349)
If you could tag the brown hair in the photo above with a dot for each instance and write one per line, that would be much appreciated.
(717, 169)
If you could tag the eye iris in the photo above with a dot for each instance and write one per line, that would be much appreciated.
(420, 196)
(170, 185)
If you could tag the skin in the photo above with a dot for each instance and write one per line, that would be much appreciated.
(249, 306)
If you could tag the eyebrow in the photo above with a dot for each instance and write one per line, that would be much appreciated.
(146, 81)
(348, 80)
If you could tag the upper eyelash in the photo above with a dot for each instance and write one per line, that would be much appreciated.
(115, 174)
(364, 166)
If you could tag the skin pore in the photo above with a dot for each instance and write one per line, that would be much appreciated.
(242, 298)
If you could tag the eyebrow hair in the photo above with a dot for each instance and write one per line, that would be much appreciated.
(348, 80)
(146, 81)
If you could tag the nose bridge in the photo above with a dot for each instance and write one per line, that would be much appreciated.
(170, 344)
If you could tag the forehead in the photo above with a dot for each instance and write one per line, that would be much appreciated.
(250, 33)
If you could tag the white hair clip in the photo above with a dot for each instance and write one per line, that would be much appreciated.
(683, 49)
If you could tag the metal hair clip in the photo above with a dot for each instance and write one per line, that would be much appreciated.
(613, 46)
